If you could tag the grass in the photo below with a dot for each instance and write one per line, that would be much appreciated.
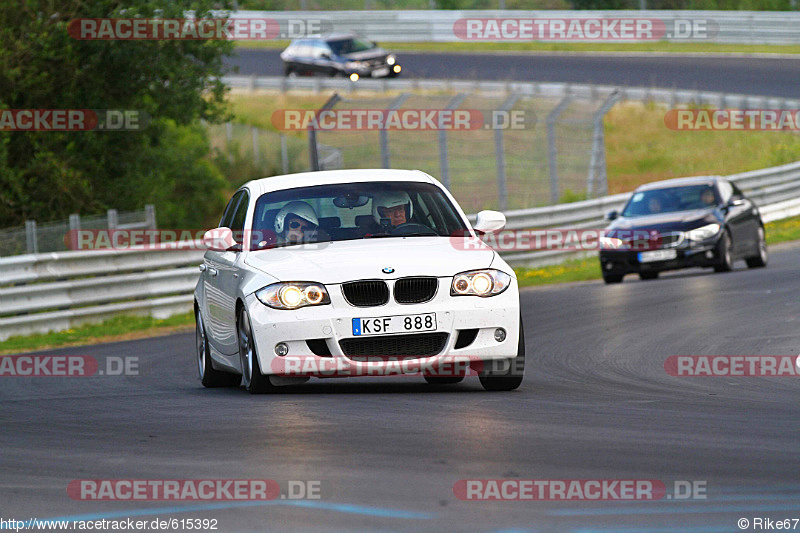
(123, 327)
(535, 46)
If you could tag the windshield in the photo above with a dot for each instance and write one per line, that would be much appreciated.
(351, 211)
(349, 46)
(671, 200)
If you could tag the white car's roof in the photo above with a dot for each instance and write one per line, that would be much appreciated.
(326, 177)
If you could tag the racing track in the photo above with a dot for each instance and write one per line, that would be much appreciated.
(596, 404)
(772, 76)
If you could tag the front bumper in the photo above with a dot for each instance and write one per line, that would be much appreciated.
(333, 323)
(703, 254)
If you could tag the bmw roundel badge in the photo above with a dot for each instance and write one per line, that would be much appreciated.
(387, 270)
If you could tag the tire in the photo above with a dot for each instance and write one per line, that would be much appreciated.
(760, 260)
(648, 275)
(252, 379)
(510, 378)
(613, 278)
(209, 376)
(724, 252)
(438, 380)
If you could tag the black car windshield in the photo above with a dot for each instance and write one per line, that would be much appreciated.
(349, 211)
(348, 46)
(670, 200)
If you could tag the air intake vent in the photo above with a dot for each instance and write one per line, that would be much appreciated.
(413, 346)
(415, 290)
(366, 293)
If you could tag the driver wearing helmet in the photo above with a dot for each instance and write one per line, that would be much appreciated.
(296, 222)
(392, 205)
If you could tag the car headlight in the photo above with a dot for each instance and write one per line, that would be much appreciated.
(487, 282)
(610, 243)
(356, 65)
(390, 60)
(293, 295)
(703, 233)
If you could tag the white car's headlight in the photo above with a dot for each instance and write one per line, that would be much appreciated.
(610, 243)
(486, 282)
(703, 233)
(390, 60)
(293, 295)
(354, 65)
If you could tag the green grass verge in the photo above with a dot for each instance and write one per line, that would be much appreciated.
(121, 327)
(532, 46)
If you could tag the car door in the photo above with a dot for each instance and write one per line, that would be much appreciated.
(323, 59)
(738, 217)
(220, 284)
(751, 221)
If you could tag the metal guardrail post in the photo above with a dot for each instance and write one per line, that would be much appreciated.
(597, 181)
(113, 219)
(552, 151)
(150, 216)
(74, 227)
(313, 148)
(384, 133)
(444, 161)
(31, 241)
(500, 155)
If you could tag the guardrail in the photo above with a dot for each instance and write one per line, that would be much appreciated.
(747, 27)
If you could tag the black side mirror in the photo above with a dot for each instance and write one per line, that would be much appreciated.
(735, 200)
(325, 55)
(612, 215)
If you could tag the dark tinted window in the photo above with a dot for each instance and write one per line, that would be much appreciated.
(671, 199)
(230, 210)
(349, 46)
(237, 224)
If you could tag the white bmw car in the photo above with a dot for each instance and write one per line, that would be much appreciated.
(354, 273)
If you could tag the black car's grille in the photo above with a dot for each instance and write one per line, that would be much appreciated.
(415, 290)
(410, 346)
(366, 293)
(671, 239)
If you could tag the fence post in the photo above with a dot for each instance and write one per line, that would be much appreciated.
(30, 237)
(384, 133)
(74, 228)
(444, 161)
(313, 149)
(113, 219)
(552, 151)
(500, 155)
(284, 154)
(254, 132)
(597, 182)
(150, 216)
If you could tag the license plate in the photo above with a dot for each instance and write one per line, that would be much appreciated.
(378, 72)
(384, 325)
(657, 255)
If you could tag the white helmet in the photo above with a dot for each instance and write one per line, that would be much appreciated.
(390, 199)
(297, 208)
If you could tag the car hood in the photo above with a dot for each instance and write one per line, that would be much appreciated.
(340, 261)
(678, 221)
(364, 55)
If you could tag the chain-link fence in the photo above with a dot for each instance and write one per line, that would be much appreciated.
(36, 237)
(554, 153)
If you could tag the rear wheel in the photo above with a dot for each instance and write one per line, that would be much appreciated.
(253, 380)
(648, 275)
(725, 263)
(760, 260)
(509, 378)
(209, 376)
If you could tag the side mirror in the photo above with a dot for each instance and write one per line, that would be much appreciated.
(325, 55)
(489, 221)
(220, 240)
(612, 215)
(735, 200)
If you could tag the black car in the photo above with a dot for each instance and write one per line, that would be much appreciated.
(682, 223)
(339, 55)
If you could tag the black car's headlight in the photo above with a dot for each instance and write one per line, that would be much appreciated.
(703, 233)
(484, 282)
(293, 295)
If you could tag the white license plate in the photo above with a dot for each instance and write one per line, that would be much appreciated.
(378, 72)
(384, 325)
(657, 255)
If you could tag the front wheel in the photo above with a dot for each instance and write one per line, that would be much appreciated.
(253, 380)
(760, 260)
(725, 263)
(510, 378)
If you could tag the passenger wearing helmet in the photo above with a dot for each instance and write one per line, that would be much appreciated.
(296, 222)
(392, 205)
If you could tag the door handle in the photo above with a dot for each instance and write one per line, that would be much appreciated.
(213, 271)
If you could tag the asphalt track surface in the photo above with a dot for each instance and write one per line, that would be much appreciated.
(770, 76)
(596, 403)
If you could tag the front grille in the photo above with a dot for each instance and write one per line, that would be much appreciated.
(413, 346)
(366, 293)
(414, 290)
(671, 239)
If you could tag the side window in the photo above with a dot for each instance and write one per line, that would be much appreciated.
(237, 224)
(726, 190)
(321, 49)
(230, 210)
(737, 191)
